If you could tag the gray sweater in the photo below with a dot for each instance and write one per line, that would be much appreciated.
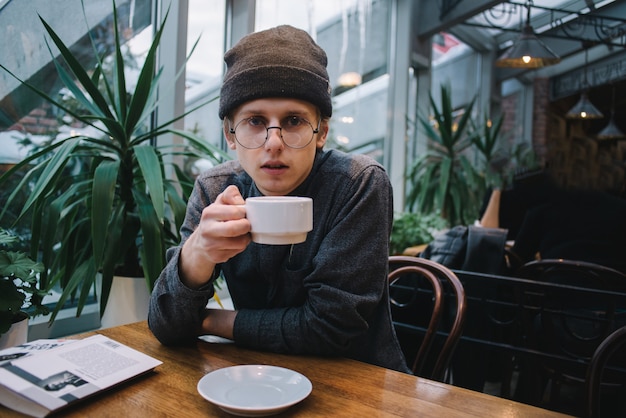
(325, 296)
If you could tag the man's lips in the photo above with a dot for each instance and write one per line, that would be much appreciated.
(274, 166)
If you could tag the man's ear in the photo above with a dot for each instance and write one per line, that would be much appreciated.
(230, 138)
(321, 137)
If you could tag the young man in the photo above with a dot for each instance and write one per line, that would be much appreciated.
(325, 296)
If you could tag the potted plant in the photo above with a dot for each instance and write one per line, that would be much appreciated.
(487, 143)
(122, 209)
(20, 294)
(443, 180)
(411, 229)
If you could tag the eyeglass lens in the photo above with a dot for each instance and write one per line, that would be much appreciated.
(295, 132)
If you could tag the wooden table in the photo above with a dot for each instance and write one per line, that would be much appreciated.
(341, 387)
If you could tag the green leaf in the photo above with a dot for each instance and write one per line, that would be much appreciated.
(152, 251)
(151, 172)
(440, 175)
(83, 276)
(79, 72)
(119, 80)
(145, 83)
(113, 253)
(443, 187)
(103, 193)
(106, 203)
(177, 204)
(210, 151)
(11, 299)
(51, 170)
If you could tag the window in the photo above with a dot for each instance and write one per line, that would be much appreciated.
(206, 25)
(26, 120)
(355, 36)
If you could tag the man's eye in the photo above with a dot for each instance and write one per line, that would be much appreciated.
(254, 121)
(294, 121)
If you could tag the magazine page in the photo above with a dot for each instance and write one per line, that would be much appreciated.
(29, 348)
(60, 376)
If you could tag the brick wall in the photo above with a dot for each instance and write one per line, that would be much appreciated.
(540, 124)
(40, 121)
(573, 158)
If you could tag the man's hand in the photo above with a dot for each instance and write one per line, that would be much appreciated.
(219, 322)
(222, 233)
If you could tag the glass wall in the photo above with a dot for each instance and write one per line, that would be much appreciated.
(23, 115)
(206, 27)
(27, 121)
(357, 63)
(355, 36)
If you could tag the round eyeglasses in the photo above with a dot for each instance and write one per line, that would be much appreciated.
(295, 132)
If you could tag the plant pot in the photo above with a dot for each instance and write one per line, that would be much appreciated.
(128, 301)
(17, 334)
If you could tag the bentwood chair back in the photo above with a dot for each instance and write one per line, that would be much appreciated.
(571, 325)
(607, 350)
(428, 309)
(573, 272)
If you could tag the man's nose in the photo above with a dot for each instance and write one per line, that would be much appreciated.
(274, 137)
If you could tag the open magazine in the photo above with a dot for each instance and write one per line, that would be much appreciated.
(43, 376)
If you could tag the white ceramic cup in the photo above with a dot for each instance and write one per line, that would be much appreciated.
(279, 220)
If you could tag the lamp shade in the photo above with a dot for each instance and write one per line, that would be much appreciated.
(528, 52)
(611, 131)
(584, 109)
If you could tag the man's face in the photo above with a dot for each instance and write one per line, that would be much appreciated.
(276, 168)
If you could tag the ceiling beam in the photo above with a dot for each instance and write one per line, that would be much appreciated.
(427, 15)
(478, 40)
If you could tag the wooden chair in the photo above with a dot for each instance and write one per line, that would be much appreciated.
(605, 351)
(487, 351)
(568, 325)
(573, 272)
(426, 297)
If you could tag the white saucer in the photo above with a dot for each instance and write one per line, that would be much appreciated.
(254, 390)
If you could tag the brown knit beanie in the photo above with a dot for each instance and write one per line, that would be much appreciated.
(279, 62)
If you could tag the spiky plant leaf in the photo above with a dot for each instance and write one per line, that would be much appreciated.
(102, 203)
(439, 180)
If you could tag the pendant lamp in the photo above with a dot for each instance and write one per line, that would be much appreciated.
(611, 130)
(528, 51)
(584, 109)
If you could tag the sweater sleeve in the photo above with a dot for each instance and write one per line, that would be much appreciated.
(176, 312)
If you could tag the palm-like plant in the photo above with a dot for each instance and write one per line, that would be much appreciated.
(443, 179)
(487, 143)
(119, 213)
